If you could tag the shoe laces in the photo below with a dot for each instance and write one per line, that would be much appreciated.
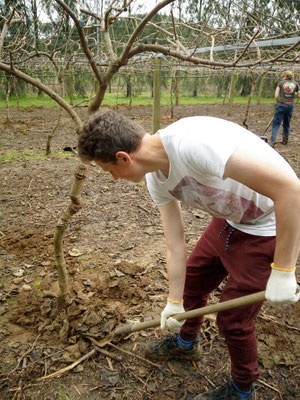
(169, 342)
(225, 392)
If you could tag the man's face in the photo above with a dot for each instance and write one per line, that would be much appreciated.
(122, 169)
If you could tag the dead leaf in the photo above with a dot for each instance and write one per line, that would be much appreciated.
(75, 253)
(18, 273)
(63, 333)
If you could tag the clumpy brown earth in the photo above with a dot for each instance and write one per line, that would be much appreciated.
(115, 255)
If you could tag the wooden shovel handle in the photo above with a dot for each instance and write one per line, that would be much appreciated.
(211, 309)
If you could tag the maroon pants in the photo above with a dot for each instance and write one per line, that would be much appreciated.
(223, 251)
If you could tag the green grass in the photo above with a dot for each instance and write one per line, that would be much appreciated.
(29, 101)
(27, 154)
(113, 99)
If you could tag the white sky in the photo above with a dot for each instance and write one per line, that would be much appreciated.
(146, 6)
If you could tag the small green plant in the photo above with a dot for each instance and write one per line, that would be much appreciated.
(37, 284)
(62, 396)
(276, 360)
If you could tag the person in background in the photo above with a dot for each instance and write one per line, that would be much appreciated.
(252, 242)
(285, 93)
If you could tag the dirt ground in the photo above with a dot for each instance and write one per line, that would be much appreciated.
(115, 254)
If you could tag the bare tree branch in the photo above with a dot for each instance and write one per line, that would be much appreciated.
(11, 20)
(83, 41)
(19, 74)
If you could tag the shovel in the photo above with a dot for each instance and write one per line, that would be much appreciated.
(271, 120)
(268, 126)
(258, 297)
(130, 328)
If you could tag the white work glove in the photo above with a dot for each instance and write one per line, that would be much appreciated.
(172, 308)
(282, 287)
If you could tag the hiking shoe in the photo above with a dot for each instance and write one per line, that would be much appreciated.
(225, 392)
(168, 348)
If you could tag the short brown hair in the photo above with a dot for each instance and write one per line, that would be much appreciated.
(107, 132)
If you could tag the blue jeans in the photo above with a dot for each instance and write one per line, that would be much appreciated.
(283, 113)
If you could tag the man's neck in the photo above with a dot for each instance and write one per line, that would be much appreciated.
(152, 155)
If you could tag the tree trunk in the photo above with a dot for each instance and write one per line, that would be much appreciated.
(231, 93)
(61, 226)
(51, 135)
(9, 83)
(254, 80)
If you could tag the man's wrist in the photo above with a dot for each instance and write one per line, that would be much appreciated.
(281, 268)
(175, 301)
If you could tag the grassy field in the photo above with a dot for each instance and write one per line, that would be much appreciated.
(113, 99)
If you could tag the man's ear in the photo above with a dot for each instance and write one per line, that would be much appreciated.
(123, 157)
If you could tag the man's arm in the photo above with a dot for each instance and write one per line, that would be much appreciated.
(277, 93)
(176, 248)
(263, 174)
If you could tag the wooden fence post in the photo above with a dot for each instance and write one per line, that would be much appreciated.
(260, 87)
(156, 95)
(231, 93)
(71, 87)
(177, 87)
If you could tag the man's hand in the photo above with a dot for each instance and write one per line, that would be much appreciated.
(282, 287)
(171, 308)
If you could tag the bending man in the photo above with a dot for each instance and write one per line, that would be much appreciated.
(253, 196)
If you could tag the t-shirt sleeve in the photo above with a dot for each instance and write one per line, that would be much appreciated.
(159, 197)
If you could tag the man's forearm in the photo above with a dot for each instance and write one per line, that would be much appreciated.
(176, 265)
(277, 93)
(287, 234)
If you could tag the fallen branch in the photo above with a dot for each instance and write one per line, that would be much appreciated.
(134, 355)
(80, 360)
(269, 386)
(69, 367)
(104, 352)
(24, 355)
(266, 318)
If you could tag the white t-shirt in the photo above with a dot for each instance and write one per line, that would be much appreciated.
(198, 149)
